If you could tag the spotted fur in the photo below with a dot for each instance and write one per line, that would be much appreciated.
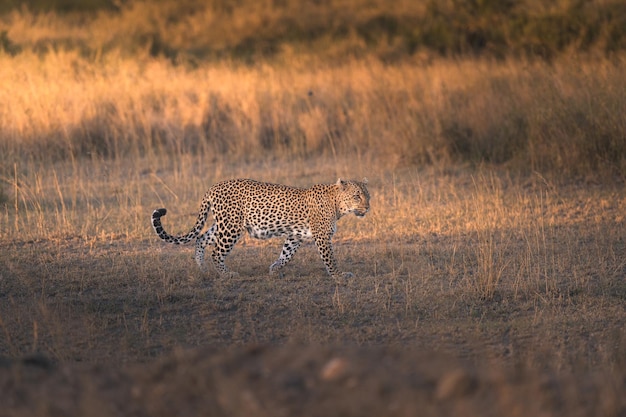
(267, 210)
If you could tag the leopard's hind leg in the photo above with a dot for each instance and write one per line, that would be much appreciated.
(203, 240)
(224, 241)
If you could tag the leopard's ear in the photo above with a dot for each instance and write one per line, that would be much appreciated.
(364, 180)
(340, 181)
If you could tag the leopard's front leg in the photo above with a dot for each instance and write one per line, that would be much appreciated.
(325, 247)
(290, 247)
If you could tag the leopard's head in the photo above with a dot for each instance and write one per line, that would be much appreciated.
(353, 197)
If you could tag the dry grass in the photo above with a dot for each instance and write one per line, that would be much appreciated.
(476, 263)
(189, 31)
(564, 118)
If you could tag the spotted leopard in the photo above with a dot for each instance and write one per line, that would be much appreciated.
(267, 210)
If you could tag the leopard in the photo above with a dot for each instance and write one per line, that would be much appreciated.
(266, 210)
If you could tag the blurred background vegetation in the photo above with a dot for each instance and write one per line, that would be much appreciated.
(539, 85)
(252, 29)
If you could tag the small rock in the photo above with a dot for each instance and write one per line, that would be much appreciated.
(334, 369)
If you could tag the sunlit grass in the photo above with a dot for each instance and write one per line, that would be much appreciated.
(563, 118)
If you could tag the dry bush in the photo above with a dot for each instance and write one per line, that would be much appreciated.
(248, 30)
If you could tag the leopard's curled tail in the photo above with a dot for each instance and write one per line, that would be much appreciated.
(183, 239)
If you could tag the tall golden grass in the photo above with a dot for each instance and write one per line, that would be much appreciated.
(565, 117)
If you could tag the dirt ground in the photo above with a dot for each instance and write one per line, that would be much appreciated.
(80, 339)
(296, 380)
